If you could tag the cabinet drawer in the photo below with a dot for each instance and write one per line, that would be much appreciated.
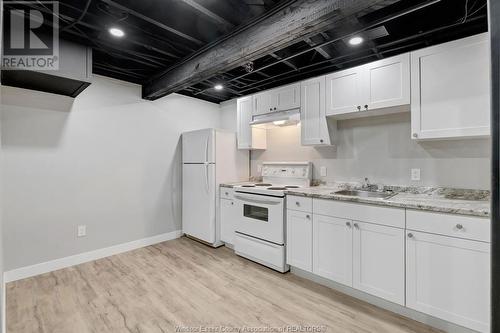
(393, 217)
(302, 204)
(226, 193)
(468, 227)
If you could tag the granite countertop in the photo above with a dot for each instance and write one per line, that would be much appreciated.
(435, 199)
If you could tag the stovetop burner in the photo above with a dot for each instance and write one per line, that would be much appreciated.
(276, 188)
(292, 186)
(263, 184)
(247, 185)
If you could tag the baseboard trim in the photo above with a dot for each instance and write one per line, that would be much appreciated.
(53, 265)
(381, 303)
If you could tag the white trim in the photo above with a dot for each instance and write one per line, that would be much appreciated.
(49, 266)
(4, 308)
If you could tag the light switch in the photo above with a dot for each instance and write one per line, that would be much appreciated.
(322, 171)
(415, 174)
(82, 230)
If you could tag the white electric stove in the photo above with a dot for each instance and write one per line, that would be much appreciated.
(260, 225)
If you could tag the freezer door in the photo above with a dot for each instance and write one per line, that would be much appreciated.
(198, 146)
(198, 201)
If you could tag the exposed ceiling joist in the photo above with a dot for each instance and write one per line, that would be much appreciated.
(286, 62)
(320, 50)
(208, 13)
(299, 20)
(152, 21)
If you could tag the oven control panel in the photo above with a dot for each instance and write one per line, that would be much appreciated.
(302, 171)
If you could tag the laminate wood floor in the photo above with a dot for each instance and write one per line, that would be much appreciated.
(179, 285)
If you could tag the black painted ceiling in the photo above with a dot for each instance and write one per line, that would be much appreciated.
(160, 33)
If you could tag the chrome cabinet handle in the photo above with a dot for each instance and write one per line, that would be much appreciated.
(410, 235)
(308, 216)
(321, 140)
(356, 226)
(459, 226)
(297, 203)
(232, 202)
(415, 135)
(348, 224)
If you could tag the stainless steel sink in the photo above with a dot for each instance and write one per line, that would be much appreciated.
(366, 194)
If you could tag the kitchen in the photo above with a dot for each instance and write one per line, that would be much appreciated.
(353, 197)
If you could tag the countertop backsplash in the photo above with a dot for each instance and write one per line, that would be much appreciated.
(380, 148)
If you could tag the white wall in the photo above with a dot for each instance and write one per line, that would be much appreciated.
(109, 160)
(379, 148)
(228, 115)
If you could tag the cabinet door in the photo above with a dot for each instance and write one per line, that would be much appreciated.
(228, 215)
(262, 103)
(332, 253)
(449, 278)
(314, 128)
(450, 86)
(299, 240)
(379, 261)
(286, 98)
(387, 83)
(244, 117)
(344, 91)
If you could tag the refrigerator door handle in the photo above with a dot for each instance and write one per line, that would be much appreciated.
(206, 149)
(207, 186)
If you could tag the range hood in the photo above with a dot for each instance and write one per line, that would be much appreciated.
(72, 77)
(276, 119)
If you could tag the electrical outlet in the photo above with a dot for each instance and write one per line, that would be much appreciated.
(415, 174)
(82, 230)
(322, 171)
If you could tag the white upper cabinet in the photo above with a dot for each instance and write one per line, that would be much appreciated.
(379, 261)
(344, 91)
(451, 89)
(387, 83)
(332, 253)
(286, 98)
(383, 84)
(279, 99)
(248, 137)
(314, 127)
(261, 103)
(449, 278)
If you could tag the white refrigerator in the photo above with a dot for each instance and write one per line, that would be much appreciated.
(209, 157)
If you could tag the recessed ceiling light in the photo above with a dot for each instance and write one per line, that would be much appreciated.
(117, 32)
(218, 87)
(356, 40)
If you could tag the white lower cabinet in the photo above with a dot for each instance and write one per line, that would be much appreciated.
(449, 278)
(379, 261)
(228, 216)
(332, 248)
(439, 265)
(299, 239)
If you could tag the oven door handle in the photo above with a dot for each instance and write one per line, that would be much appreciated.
(261, 200)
